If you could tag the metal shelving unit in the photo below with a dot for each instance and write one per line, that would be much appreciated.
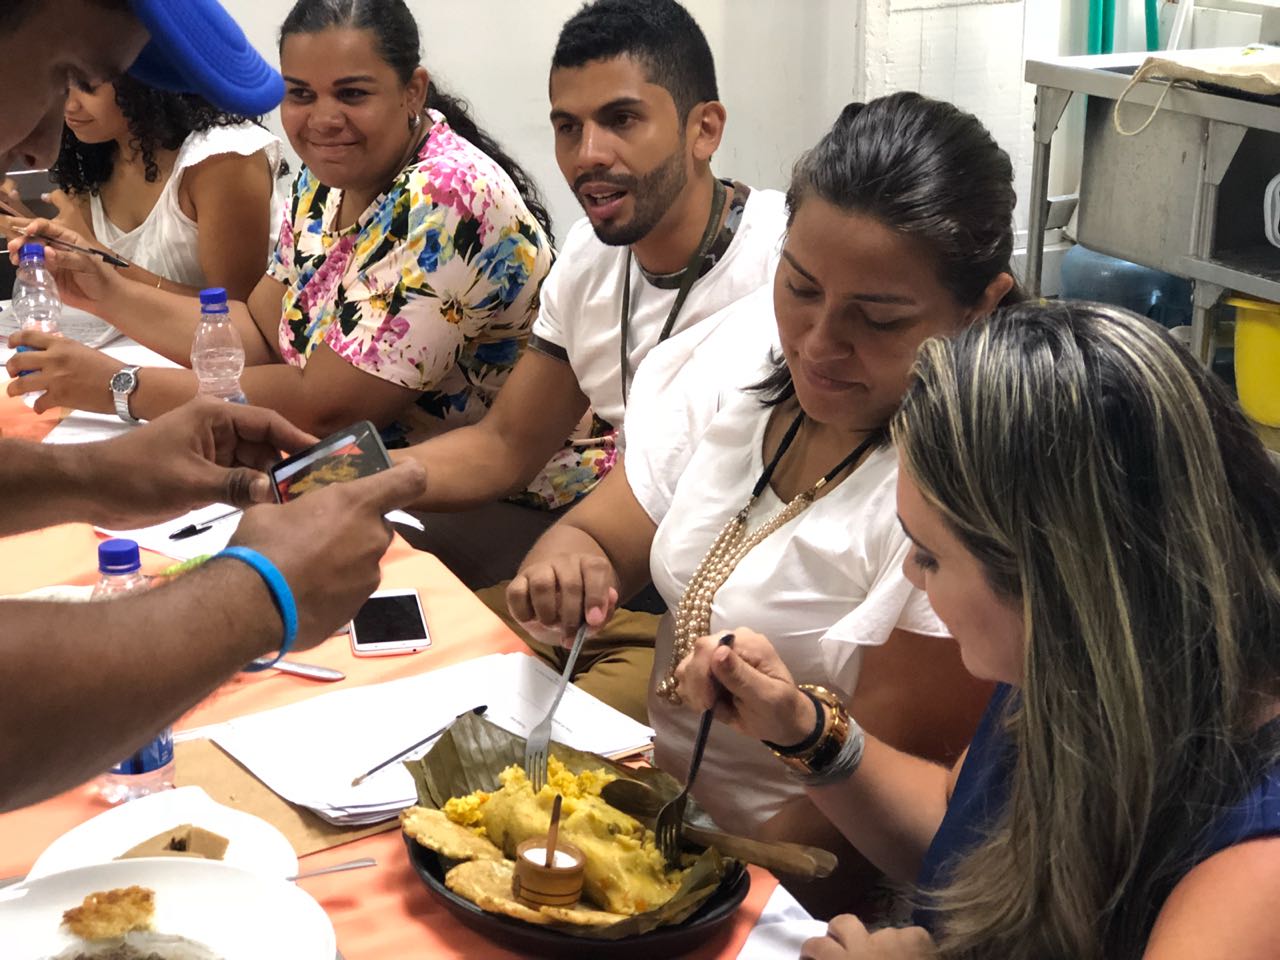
(1253, 271)
(1183, 196)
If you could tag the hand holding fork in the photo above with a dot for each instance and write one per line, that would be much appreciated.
(536, 746)
(669, 826)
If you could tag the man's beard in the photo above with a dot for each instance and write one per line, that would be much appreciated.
(652, 196)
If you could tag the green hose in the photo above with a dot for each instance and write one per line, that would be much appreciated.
(1153, 24)
(1093, 42)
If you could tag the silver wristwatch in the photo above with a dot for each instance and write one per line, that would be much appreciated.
(123, 383)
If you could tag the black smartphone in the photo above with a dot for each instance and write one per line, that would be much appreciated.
(346, 455)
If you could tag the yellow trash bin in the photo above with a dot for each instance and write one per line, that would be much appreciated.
(1258, 358)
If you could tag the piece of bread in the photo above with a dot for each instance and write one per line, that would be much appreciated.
(112, 913)
(487, 884)
(434, 830)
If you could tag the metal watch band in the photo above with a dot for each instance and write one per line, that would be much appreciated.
(121, 397)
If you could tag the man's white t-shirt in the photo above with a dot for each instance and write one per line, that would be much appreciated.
(821, 587)
(687, 380)
(580, 317)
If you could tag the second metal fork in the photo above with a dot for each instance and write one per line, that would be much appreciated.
(669, 826)
(537, 746)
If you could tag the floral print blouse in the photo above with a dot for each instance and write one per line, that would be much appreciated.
(434, 287)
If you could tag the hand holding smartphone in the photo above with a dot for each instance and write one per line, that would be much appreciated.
(390, 623)
(346, 455)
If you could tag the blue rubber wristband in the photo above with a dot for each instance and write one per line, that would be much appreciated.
(281, 596)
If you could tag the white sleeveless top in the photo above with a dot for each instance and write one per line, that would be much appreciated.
(167, 242)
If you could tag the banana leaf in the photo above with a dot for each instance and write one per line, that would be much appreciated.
(473, 752)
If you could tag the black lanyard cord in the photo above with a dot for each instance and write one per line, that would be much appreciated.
(835, 471)
(687, 278)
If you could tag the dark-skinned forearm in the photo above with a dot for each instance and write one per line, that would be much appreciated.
(44, 484)
(88, 683)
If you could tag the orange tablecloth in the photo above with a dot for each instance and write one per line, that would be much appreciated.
(381, 913)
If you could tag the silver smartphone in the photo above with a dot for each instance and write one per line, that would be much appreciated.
(389, 623)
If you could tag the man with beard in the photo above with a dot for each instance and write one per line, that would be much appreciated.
(664, 245)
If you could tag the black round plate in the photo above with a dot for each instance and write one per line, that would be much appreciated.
(664, 941)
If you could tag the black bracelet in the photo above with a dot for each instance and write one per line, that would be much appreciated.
(808, 742)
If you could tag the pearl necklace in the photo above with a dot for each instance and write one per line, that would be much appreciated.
(693, 613)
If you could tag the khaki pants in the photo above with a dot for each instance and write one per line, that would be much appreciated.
(614, 665)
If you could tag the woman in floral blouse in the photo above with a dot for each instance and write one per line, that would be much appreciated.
(407, 271)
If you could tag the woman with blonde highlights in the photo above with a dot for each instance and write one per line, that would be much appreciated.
(1099, 528)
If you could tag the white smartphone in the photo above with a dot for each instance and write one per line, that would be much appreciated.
(389, 623)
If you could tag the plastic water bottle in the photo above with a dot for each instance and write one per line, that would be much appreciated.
(36, 303)
(217, 353)
(150, 769)
(35, 293)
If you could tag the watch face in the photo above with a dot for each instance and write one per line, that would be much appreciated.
(121, 381)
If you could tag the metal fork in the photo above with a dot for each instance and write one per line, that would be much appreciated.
(669, 826)
(536, 747)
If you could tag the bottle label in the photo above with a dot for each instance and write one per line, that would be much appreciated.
(155, 755)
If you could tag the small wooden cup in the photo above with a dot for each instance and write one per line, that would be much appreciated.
(535, 882)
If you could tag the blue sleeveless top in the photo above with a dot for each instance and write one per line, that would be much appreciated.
(982, 791)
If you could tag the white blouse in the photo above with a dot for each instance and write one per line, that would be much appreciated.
(820, 588)
(167, 242)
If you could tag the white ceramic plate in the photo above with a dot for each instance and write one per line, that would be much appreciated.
(238, 915)
(256, 846)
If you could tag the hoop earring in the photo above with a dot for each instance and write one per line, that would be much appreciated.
(415, 121)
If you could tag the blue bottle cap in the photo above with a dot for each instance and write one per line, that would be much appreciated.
(32, 251)
(212, 296)
(118, 556)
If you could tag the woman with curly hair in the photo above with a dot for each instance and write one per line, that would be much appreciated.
(406, 275)
(185, 192)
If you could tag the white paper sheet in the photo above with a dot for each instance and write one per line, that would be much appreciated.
(78, 325)
(221, 528)
(309, 752)
(158, 539)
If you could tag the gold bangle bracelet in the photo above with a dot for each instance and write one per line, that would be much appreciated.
(835, 731)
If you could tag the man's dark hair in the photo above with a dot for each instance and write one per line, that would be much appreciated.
(660, 34)
(13, 12)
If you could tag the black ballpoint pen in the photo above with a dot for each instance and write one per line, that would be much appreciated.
(110, 258)
(106, 255)
(191, 529)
